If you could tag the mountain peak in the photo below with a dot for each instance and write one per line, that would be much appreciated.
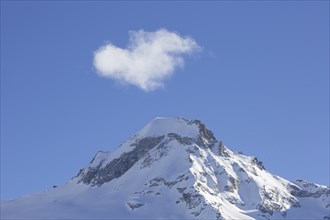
(162, 126)
(179, 126)
(158, 133)
(175, 168)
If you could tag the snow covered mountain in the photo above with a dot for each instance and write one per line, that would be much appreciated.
(174, 168)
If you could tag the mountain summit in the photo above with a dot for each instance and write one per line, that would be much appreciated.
(175, 168)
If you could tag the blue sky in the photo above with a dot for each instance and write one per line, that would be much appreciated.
(260, 83)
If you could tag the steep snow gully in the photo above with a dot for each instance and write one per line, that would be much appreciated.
(174, 168)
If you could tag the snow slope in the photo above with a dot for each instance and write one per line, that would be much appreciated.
(175, 169)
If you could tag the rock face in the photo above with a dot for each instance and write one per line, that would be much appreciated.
(119, 166)
(175, 168)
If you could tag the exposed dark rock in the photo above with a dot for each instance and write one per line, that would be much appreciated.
(159, 181)
(222, 150)
(196, 213)
(292, 188)
(119, 166)
(162, 151)
(99, 152)
(317, 194)
(219, 216)
(270, 195)
(265, 208)
(88, 175)
(232, 200)
(147, 162)
(134, 205)
(79, 173)
(192, 199)
(181, 189)
(204, 134)
(232, 185)
(180, 139)
(298, 192)
(295, 203)
(258, 163)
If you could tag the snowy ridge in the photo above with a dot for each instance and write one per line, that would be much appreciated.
(175, 168)
(160, 126)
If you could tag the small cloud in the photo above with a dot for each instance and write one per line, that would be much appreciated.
(149, 59)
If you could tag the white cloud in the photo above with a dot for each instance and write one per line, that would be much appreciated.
(149, 59)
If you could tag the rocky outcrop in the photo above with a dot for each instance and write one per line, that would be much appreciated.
(206, 137)
(134, 204)
(258, 163)
(180, 139)
(232, 184)
(117, 167)
(317, 194)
